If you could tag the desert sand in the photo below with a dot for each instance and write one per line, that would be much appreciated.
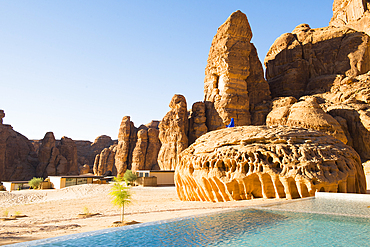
(54, 213)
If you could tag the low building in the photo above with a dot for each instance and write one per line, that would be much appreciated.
(59, 182)
(164, 178)
(15, 185)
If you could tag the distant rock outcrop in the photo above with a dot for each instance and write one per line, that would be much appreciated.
(234, 82)
(18, 159)
(173, 131)
(263, 162)
(86, 150)
(68, 149)
(48, 153)
(57, 157)
(104, 163)
(137, 148)
(307, 60)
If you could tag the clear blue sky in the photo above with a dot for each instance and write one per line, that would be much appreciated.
(77, 67)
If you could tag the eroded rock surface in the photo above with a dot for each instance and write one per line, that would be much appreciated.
(18, 159)
(104, 164)
(173, 131)
(57, 157)
(47, 154)
(306, 114)
(86, 150)
(307, 60)
(123, 147)
(139, 152)
(352, 13)
(137, 149)
(234, 81)
(154, 145)
(197, 121)
(263, 162)
(85, 169)
(348, 101)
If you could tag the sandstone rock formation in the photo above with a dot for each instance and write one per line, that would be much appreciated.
(173, 131)
(234, 81)
(86, 150)
(354, 14)
(137, 148)
(18, 159)
(57, 157)
(68, 149)
(308, 60)
(154, 145)
(104, 163)
(139, 152)
(197, 121)
(349, 102)
(47, 153)
(330, 64)
(85, 169)
(306, 114)
(2, 115)
(263, 162)
(123, 147)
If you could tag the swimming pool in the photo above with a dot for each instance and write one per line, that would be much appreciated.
(275, 225)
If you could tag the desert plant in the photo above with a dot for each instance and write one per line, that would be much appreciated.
(35, 183)
(130, 177)
(86, 210)
(121, 195)
(6, 213)
(17, 213)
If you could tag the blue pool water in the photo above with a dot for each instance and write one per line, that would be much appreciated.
(263, 226)
(326, 206)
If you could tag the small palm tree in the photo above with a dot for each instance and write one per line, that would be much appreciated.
(121, 195)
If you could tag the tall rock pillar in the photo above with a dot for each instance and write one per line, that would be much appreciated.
(173, 131)
(123, 147)
(233, 75)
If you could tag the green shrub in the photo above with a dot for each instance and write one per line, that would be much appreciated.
(129, 177)
(35, 183)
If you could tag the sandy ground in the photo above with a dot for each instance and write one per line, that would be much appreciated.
(54, 213)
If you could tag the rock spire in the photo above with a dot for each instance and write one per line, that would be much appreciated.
(234, 81)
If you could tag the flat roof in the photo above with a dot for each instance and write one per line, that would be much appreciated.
(78, 176)
(155, 171)
(15, 182)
